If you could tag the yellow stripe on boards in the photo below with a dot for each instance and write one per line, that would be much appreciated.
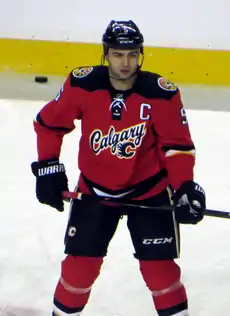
(46, 57)
(188, 66)
(191, 65)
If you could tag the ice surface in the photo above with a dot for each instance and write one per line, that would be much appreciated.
(31, 234)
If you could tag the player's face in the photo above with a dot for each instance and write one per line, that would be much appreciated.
(123, 63)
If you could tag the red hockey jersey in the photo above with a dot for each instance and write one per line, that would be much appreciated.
(127, 137)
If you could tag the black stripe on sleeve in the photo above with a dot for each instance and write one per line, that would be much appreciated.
(55, 128)
(178, 147)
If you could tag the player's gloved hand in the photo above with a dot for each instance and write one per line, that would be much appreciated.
(51, 180)
(190, 203)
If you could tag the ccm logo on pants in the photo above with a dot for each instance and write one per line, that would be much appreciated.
(155, 241)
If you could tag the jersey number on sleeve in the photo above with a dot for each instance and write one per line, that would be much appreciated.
(184, 117)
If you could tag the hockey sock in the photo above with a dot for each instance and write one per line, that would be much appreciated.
(163, 279)
(74, 286)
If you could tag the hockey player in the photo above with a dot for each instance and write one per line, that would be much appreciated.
(135, 145)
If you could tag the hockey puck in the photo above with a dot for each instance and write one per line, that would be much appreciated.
(41, 79)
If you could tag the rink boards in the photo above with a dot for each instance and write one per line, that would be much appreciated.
(199, 66)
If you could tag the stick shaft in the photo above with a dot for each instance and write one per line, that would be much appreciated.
(92, 198)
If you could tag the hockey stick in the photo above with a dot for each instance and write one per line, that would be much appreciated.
(92, 198)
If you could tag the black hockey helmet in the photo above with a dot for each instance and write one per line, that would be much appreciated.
(122, 35)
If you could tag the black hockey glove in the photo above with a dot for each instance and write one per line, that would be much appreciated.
(51, 180)
(190, 203)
